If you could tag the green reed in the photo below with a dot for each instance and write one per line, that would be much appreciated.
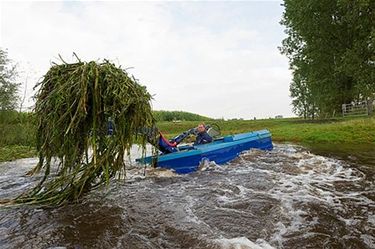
(74, 106)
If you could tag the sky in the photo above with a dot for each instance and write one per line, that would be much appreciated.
(217, 59)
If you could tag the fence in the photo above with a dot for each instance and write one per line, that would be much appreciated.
(363, 108)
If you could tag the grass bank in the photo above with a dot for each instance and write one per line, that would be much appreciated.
(333, 131)
(13, 152)
(17, 132)
(17, 135)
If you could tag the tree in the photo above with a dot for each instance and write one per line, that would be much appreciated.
(358, 61)
(8, 85)
(330, 46)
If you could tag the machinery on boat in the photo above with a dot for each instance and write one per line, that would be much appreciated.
(187, 158)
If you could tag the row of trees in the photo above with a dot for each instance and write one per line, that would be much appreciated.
(178, 115)
(8, 85)
(331, 49)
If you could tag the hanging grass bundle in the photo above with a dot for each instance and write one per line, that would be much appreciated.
(88, 116)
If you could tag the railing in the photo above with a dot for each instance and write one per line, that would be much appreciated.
(363, 108)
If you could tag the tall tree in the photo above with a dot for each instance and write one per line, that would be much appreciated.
(331, 53)
(358, 61)
(8, 84)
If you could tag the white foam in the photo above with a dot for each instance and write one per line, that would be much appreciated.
(369, 240)
(207, 165)
(371, 219)
(242, 243)
(315, 181)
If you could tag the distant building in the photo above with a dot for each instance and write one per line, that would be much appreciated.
(278, 116)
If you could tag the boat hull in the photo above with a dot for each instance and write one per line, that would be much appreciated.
(220, 151)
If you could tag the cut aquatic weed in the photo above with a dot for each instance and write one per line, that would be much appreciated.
(74, 107)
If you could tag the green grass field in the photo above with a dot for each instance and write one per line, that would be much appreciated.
(17, 131)
(333, 131)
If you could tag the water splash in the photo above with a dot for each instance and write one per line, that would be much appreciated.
(286, 198)
(242, 243)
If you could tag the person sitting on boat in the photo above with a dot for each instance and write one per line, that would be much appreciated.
(202, 137)
(169, 146)
(166, 146)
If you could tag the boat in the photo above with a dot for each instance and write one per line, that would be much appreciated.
(222, 150)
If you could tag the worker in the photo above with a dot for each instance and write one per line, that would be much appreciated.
(202, 136)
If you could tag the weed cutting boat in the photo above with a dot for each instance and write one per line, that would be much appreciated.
(187, 158)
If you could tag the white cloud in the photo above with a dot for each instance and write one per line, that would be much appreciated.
(206, 58)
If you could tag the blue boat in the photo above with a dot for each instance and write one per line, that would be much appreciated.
(188, 158)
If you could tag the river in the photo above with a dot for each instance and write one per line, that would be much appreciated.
(290, 197)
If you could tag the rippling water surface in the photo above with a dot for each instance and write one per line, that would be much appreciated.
(286, 198)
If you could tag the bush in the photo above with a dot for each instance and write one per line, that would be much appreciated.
(17, 128)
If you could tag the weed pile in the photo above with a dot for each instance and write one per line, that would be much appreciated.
(88, 115)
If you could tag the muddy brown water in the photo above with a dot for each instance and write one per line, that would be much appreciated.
(291, 197)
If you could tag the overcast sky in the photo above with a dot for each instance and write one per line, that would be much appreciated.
(218, 59)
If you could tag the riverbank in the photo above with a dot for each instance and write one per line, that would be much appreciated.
(13, 152)
(17, 135)
(295, 130)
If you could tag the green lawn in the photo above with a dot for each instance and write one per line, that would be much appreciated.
(334, 131)
(12, 152)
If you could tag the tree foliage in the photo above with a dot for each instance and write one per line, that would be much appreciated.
(8, 84)
(178, 115)
(331, 51)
